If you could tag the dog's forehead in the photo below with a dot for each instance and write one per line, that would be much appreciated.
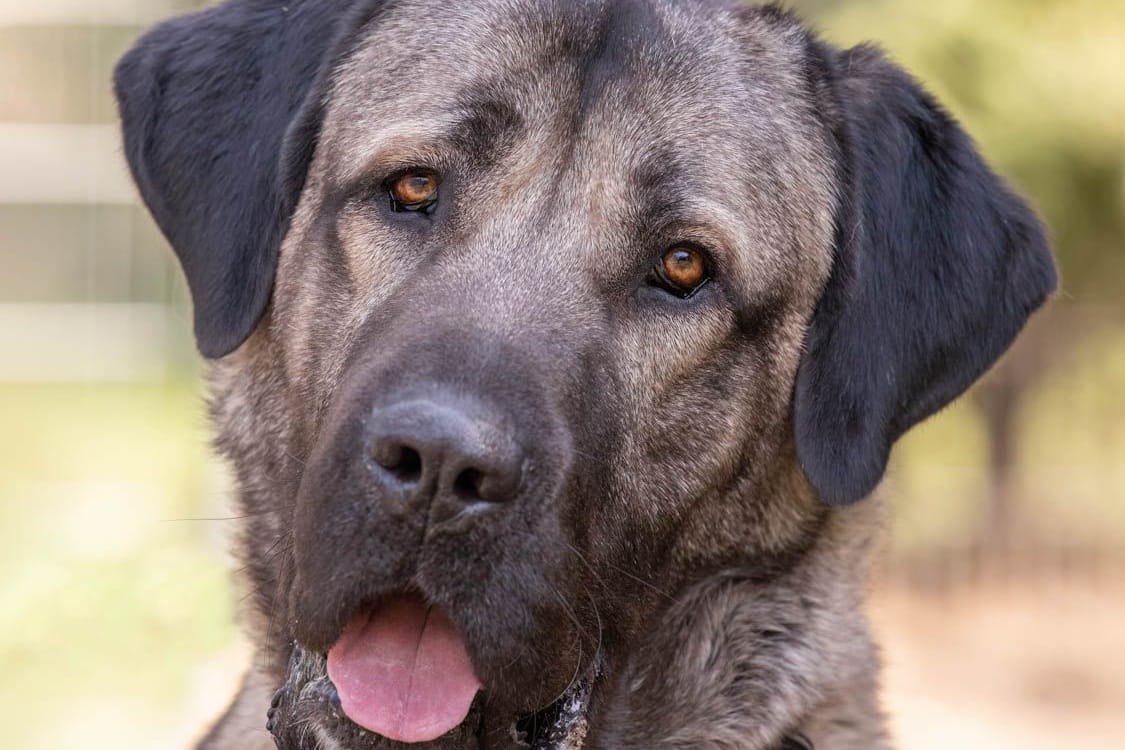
(710, 96)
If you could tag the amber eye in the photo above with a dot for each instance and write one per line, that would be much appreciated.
(682, 271)
(414, 191)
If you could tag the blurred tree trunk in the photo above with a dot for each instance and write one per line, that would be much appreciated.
(1001, 399)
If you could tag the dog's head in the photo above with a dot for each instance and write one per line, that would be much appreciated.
(529, 313)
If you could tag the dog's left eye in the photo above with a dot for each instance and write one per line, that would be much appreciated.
(415, 191)
(682, 271)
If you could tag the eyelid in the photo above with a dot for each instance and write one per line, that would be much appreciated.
(396, 148)
(413, 167)
(715, 241)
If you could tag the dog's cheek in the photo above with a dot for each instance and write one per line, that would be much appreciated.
(702, 473)
(250, 412)
(687, 433)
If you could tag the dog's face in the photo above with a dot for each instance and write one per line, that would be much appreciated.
(514, 392)
(547, 310)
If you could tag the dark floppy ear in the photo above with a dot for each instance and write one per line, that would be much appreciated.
(938, 266)
(206, 103)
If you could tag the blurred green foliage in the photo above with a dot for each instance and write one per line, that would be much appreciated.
(1041, 85)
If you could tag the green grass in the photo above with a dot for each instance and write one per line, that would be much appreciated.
(108, 597)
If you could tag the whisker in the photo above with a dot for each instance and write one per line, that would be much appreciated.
(620, 570)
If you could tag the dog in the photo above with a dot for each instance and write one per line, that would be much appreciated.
(554, 345)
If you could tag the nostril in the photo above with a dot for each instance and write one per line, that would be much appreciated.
(409, 468)
(467, 485)
(402, 461)
(489, 485)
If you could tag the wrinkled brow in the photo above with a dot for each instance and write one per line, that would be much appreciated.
(487, 128)
(476, 133)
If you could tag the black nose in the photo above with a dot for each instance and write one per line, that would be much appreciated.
(444, 455)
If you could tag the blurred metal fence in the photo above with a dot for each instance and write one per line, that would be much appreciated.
(87, 287)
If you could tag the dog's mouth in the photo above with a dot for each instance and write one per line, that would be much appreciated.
(400, 673)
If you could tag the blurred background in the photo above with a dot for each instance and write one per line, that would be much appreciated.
(1001, 602)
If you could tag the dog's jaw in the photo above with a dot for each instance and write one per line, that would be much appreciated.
(570, 722)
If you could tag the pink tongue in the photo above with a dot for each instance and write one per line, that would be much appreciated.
(402, 672)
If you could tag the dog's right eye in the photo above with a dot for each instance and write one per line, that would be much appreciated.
(414, 191)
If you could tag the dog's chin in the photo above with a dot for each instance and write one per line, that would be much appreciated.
(308, 714)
